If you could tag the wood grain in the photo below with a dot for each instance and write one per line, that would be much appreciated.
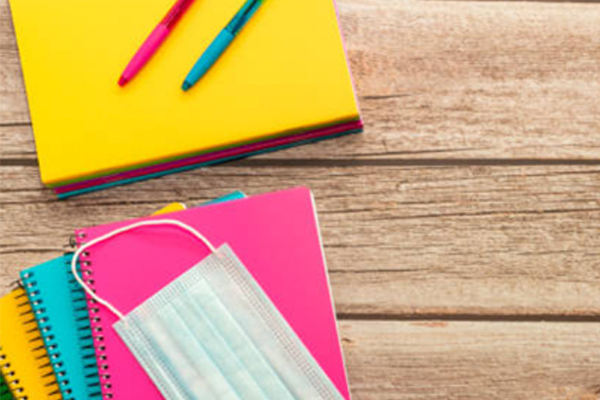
(399, 240)
(438, 79)
(465, 216)
(436, 360)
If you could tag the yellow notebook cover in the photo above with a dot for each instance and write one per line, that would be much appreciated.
(285, 72)
(25, 363)
(169, 208)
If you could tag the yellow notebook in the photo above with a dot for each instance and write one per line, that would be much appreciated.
(285, 73)
(25, 363)
(169, 208)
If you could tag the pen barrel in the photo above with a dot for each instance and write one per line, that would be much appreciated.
(240, 19)
(145, 52)
(210, 56)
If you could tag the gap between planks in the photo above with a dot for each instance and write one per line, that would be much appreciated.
(546, 318)
(350, 163)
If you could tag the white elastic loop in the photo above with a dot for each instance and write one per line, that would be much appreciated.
(116, 232)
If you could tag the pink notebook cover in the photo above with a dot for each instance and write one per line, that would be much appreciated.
(275, 235)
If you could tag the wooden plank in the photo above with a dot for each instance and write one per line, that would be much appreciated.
(13, 102)
(399, 240)
(472, 360)
(438, 79)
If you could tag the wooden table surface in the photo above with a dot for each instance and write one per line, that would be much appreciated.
(462, 229)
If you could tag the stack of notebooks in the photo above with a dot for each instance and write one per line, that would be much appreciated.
(56, 343)
(284, 81)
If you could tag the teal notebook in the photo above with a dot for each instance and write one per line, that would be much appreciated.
(228, 197)
(60, 307)
(61, 313)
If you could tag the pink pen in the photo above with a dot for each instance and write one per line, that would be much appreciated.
(153, 42)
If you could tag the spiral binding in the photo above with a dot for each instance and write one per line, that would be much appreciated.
(26, 313)
(86, 270)
(4, 390)
(47, 338)
(84, 332)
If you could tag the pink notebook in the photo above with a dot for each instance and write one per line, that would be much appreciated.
(275, 235)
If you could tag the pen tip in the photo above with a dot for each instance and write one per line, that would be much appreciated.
(123, 81)
(186, 85)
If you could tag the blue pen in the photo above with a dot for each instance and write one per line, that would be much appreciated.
(221, 42)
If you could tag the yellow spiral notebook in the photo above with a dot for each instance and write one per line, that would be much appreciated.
(25, 363)
(285, 74)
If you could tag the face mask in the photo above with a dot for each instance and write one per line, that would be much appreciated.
(213, 333)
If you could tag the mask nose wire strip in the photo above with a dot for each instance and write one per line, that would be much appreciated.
(109, 235)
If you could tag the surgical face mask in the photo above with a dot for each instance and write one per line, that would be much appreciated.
(213, 333)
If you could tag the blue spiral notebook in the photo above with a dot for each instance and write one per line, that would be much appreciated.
(61, 313)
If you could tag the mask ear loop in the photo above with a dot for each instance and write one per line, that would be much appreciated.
(119, 231)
